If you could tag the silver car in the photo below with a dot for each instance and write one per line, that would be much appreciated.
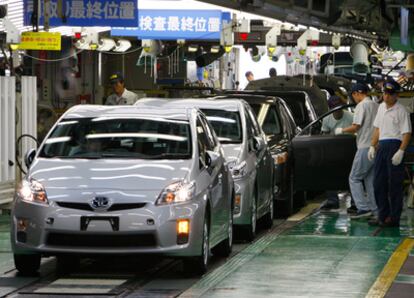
(123, 180)
(246, 152)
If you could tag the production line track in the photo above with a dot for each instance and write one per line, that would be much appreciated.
(122, 276)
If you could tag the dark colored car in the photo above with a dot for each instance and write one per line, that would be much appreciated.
(277, 122)
(282, 86)
(322, 161)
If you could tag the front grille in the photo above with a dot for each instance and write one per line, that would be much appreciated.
(87, 207)
(101, 241)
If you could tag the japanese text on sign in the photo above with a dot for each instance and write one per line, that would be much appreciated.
(40, 41)
(90, 12)
(176, 24)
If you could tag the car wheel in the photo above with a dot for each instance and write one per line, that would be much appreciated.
(250, 230)
(67, 263)
(224, 248)
(27, 265)
(198, 265)
(268, 219)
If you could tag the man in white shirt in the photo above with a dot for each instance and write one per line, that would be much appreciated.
(362, 172)
(121, 95)
(392, 133)
(337, 119)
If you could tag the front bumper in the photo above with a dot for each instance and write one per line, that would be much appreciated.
(52, 230)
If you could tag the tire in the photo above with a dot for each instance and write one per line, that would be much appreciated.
(198, 265)
(224, 248)
(250, 230)
(268, 218)
(67, 263)
(27, 265)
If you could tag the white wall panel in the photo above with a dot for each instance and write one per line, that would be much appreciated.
(7, 127)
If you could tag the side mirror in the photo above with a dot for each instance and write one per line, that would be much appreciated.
(29, 157)
(212, 158)
(258, 144)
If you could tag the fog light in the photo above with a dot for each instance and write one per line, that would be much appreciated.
(183, 230)
(22, 224)
(237, 204)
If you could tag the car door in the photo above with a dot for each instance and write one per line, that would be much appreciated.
(219, 174)
(214, 188)
(322, 161)
(263, 163)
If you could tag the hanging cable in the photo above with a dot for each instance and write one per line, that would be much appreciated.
(53, 60)
(18, 152)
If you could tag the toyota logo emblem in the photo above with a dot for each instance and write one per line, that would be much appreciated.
(100, 203)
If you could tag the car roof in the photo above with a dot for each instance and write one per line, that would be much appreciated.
(250, 98)
(90, 111)
(233, 105)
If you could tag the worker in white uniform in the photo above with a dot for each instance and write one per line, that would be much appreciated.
(121, 95)
(392, 133)
(361, 178)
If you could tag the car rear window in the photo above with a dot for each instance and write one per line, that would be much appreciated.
(226, 124)
(119, 138)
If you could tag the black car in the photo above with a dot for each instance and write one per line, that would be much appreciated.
(276, 120)
(306, 161)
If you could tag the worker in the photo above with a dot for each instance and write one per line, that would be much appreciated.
(338, 119)
(272, 72)
(249, 76)
(362, 172)
(121, 95)
(392, 133)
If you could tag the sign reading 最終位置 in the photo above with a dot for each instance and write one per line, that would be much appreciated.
(87, 13)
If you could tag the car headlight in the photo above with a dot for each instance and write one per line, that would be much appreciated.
(238, 171)
(32, 191)
(177, 192)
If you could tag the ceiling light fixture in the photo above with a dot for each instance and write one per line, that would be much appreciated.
(106, 44)
(122, 45)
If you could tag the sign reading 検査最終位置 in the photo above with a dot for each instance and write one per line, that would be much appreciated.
(176, 24)
(86, 13)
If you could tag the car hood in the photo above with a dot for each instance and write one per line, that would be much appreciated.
(105, 174)
(232, 151)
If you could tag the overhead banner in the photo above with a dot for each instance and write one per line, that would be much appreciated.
(86, 13)
(40, 41)
(176, 24)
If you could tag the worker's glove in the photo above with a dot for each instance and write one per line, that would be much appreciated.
(398, 157)
(371, 153)
(339, 131)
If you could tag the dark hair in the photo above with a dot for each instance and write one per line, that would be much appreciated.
(248, 73)
(272, 72)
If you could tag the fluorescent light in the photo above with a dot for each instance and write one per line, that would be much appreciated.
(122, 45)
(215, 49)
(106, 44)
(192, 48)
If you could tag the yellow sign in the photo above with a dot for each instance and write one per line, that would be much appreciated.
(40, 41)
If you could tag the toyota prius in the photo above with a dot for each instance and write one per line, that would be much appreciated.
(125, 180)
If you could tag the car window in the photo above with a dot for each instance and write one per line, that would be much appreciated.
(253, 120)
(118, 138)
(226, 125)
(297, 104)
(202, 142)
(210, 133)
(330, 122)
(271, 124)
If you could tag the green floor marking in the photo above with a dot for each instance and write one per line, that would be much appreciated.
(6, 256)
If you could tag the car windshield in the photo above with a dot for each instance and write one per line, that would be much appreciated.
(119, 138)
(226, 124)
(268, 118)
